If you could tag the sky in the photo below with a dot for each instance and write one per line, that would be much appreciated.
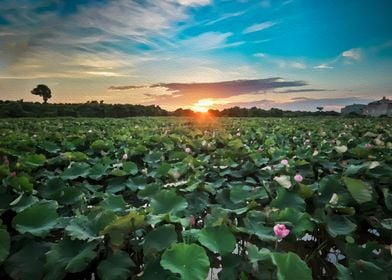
(198, 54)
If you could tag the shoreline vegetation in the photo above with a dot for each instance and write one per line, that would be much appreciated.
(20, 108)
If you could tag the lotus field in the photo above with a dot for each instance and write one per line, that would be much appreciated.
(176, 198)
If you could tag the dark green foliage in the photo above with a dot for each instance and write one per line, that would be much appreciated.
(174, 198)
(12, 109)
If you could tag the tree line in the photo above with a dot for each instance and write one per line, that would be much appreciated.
(20, 108)
(12, 109)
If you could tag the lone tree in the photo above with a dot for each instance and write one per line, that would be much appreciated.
(44, 91)
(320, 108)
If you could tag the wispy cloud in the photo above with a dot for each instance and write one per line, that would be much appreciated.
(194, 2)
(303, 90)
(353, 54)
(88, 43)
(323, 66)
(259, 55)
(121, 88)
(291, 64)
(207, 41)
(224, 17)
(189, 93)
(259, 26)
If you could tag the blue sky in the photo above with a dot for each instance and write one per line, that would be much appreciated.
(289, 54)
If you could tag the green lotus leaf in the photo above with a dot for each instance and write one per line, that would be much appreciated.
(167, 201)
(122, 226)
(21, 182)
(163, 169)
(4, 171)
(27, 263)
(101, 145)
(255, 224)
(50, 147)
(75, 156)
(130, 168)
(343, 272)
(33, 161)
(76, 170)
(153, 271)
(159, 239)
(219, 239)
(255, 255)
(51, 188)
(38, 219)
(359, 190)
(235, 144)
(23, 202)
(288, 199)
(328, 186)
(387, 198)
(387, 223)
(339, 225)
(97, 171)
(365, 270)
(70, 255)
(89, 227)
(113, 202)
(241, 193)
(115, 267)
(188, 260)
(5, 242)
(290, 267)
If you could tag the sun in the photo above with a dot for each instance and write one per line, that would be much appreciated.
(202, 106)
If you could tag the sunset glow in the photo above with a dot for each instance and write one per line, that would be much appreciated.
(202, 106)
(198, 54)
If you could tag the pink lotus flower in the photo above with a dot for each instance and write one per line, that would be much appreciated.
(188, 150)
(125, 157)
(284, 162)
(192, 220)
(368, 146)
(281, 231)
(298, 178)
(13, 174)
(238, 134)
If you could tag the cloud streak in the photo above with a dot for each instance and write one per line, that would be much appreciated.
(189, 93)
(231, 87)
(354, 54)
(303, 90)
(259, 27)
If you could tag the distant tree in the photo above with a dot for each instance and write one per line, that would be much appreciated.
(43, 91)
(320, 108)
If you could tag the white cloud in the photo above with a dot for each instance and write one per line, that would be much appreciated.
(207, 41)
(260, 55)
(291, 64)
(259, 27)
(354, 54)
(194, 2)
(77, 45)
(224, 17)
(323, 66)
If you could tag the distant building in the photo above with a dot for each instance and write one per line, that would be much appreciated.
(357, 109)
(378, 108)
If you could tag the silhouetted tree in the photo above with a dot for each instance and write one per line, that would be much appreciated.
(320, 108)
(43, 91)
